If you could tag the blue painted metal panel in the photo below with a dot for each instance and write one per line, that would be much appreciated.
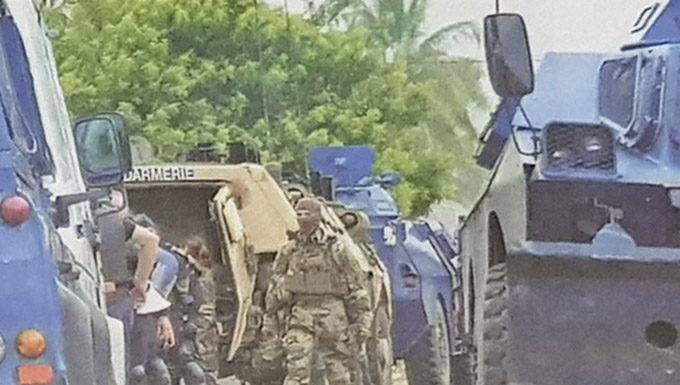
(573, 98)
(657, 25)
(28, 273)
(374, 200)
(433, 266)
(28, 290)
(560, 98)
(347, 164)
(555, 98)
(20, 102)
(409, 311)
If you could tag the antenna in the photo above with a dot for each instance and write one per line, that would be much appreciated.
(498, 6)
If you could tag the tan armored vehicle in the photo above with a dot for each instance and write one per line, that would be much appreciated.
(245, 217)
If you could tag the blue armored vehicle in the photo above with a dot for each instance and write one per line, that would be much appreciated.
(53, 323)
(571, 258)
(418, 257)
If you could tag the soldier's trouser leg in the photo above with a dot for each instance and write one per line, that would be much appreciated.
(333, 340)
(318, 375)
(268, 354)
(299, 346)
(194, 374)
(157, 372)
(206, 341)
(337, 369)
(121, 306)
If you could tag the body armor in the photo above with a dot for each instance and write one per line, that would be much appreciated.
(314, 271)
(115, 266)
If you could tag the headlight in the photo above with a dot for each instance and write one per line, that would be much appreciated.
(593, 144)
(3, 348)
(560, 156)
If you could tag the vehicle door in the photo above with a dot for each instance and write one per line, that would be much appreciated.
(238, 258)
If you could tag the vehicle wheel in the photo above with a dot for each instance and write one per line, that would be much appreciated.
(462, 367)
(379, 349)
(431, 364)
(495, 326)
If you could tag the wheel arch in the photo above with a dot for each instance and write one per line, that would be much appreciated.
(496, 252)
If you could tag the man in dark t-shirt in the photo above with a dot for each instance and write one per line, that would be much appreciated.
(125, 288)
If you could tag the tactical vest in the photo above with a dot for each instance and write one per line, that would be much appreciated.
(313, 271)
(114, 253)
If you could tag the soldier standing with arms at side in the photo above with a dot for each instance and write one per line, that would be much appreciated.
(321, 286)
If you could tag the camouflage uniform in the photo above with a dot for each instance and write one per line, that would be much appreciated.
(319, 287)
(196, 355)
(267, 357)
(259, 360)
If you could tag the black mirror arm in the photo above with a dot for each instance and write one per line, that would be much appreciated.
(534, 136)
(63, 202)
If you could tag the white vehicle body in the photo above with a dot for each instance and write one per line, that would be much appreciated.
(67, 177)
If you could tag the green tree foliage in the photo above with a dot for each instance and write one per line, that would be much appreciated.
(189, 71)
(395, 27)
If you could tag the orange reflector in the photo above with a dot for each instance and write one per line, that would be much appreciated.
(31, 343)
(35, 375)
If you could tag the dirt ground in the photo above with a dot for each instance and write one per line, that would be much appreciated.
(398, 377)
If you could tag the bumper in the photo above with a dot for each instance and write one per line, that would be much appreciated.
(578, 317)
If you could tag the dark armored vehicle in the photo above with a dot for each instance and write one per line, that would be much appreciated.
(571, 257)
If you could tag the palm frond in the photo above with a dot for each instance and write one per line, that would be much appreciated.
(464, 31)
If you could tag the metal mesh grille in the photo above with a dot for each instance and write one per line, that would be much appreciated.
(580, 146)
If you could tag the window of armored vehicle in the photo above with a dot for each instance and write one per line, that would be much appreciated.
(17, 94)
(617, 90)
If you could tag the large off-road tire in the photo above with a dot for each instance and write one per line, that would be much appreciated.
(430, 362)
(495, 337)
(379, 349)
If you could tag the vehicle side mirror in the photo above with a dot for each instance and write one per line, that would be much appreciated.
(508, 57)
(103, 149)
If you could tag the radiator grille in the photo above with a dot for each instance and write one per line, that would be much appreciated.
(589, 147)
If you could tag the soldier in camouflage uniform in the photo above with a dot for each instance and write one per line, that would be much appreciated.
(196, 357)
(320, 288)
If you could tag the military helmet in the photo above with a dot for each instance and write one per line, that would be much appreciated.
(295, 192)
(357, 225)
